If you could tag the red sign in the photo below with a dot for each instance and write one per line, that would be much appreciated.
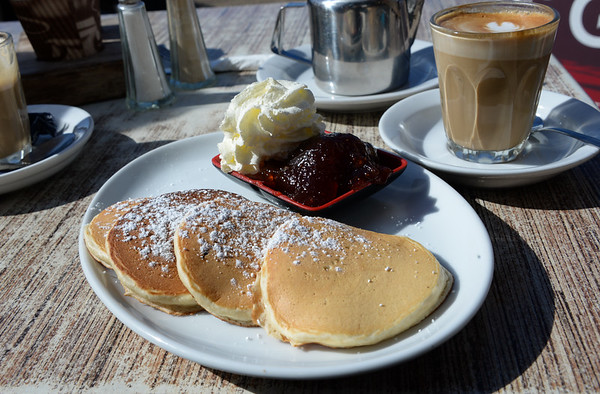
(577, 43)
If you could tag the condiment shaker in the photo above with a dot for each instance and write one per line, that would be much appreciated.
(147, 84)
(190, 67)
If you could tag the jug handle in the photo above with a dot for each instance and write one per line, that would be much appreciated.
(415, 7)
(276, 40)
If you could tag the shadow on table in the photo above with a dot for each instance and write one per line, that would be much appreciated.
(575, 189)
(187, 99)
(109, 148)
(104, 154)
(499, 344)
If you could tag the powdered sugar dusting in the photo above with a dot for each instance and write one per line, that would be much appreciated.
(237, 236)
(104, 221)
(151, 226)
(316, 241)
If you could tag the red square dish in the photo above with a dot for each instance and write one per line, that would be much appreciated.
(396, 163)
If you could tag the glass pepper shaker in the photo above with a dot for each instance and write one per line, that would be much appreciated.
(190, 67)
(146, 82)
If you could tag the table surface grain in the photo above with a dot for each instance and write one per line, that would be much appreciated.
(538, 329)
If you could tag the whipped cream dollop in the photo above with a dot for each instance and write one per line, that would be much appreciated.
(267, 120)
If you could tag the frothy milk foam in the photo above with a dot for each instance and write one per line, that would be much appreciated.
(502, 27)
(491, 66)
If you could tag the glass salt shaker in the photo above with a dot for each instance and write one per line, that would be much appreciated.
(190, 67)
(146, 82)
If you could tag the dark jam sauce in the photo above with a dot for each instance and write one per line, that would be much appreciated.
(323, 168)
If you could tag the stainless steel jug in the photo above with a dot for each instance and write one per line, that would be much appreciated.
(359, 47)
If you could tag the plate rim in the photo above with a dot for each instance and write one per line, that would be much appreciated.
(495, 171)
(327, 101)
(93, 271)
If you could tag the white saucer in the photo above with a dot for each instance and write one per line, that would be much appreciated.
(418, 204)
(423, 76)
(413, 128)
(78, 122)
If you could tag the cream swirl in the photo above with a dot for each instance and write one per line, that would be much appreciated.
(266, 120)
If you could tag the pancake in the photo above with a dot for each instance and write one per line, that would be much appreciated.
(140, 246)
(219, 248)
(328, 283)
(96, 231)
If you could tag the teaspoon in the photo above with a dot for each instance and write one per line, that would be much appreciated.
(538, 125)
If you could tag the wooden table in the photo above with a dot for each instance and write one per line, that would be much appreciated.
(538, 330)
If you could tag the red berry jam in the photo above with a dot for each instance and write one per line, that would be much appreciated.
(323, 168)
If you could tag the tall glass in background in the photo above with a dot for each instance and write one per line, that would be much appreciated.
(491, 59)
(15, 139)
(146, 83)
(190, 67)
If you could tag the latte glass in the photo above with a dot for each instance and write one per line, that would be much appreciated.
(491, 59)
(15, 140)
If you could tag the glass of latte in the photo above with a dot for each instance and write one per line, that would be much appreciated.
(491, 59)
(15, 139)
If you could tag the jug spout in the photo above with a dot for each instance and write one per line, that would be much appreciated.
(415, 8)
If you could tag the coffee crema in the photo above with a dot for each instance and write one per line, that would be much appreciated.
(495, 22)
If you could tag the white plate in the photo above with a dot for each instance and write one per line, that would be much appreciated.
(78, 122)
(417, 204)
(414, 129)
(423, 76)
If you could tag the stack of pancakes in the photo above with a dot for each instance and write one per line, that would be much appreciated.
(304, 279)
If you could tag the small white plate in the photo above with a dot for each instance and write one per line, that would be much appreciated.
(423, 76)
(418, 204)
(414, 129)
(78, 122)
